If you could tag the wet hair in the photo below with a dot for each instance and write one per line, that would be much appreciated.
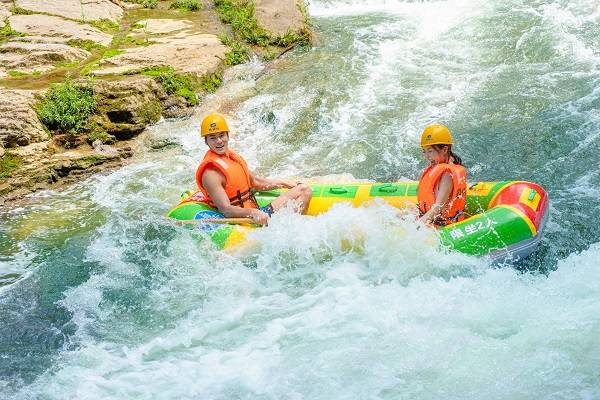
(455, 157)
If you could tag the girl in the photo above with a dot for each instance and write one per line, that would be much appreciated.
(442, 191)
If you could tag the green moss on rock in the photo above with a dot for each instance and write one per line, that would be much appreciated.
(9, 163)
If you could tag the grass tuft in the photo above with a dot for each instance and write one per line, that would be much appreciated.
(211, 82)
(240, 15)
(239, 52)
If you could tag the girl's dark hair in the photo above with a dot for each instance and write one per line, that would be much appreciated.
(457, 159)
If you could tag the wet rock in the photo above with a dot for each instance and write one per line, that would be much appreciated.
(197, 54)
(4, 13)
(104, 149)
(85, 10)
(47, 168)
(156, 144)
(56, 29)
(161, 26)
(19, 125)
(36, 56)
(127, 106)
(176, 107)
(279, 16)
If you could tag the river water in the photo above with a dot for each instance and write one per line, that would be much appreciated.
(102, 299)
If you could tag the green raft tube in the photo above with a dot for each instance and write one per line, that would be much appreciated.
(503, 220)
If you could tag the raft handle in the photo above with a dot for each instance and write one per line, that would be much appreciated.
(338, 190)
(389, 188)
(532, 195)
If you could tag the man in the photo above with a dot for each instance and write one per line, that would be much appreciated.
(224, 179)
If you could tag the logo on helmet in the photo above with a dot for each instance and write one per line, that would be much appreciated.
(213, 126)
(428, 138)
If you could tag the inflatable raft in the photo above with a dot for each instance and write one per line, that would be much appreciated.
(503, 220)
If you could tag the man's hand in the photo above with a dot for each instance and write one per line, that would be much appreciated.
(285, 184)
(259, 217)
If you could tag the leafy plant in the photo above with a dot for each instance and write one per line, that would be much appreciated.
(238, 53)
(178, 84)
(66, 107)
(149, 3)
(211, 82)
(186, 5)
(240, 15)
(101, 135)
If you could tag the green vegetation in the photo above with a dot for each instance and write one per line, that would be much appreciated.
(88, 68)
(183, 85)
(145, 3)
(88, 45)
(15, 74)
(290, 37)
(154, 71)
(211, 82)
(66, 107)
(149, 3)
(22, 11)
(105, 25)
(186, 5)
(136, 41)
(8, 163)
(173, 83)
(7, 32)
(111, 53)
(18, 74)
(240, 15)
(102, 136)
(68, 64)
(238, 53)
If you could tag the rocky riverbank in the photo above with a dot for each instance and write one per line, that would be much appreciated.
(80, 79)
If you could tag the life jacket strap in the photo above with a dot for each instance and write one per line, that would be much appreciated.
(242, 197)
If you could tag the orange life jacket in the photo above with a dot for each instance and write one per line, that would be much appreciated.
(453, 210)
(238, 184)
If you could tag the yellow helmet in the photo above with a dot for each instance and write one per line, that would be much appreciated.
(213, 123)
(436, 134)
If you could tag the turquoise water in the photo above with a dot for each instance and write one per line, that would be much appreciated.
(101, 298)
